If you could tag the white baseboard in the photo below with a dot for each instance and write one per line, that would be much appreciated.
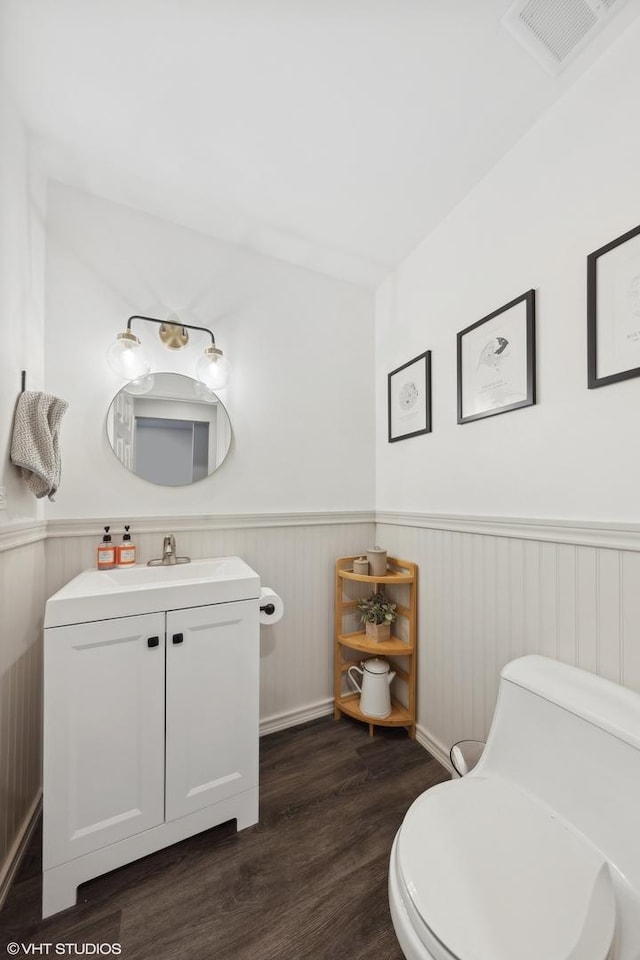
(20, 844)
(434, 747)
(292, 718)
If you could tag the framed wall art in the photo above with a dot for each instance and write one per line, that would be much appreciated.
(497, 361)
(409, 398)
(613, 311)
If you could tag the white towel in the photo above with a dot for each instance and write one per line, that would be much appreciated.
(35, 446)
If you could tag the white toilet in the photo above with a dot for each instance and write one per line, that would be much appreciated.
(535, 854)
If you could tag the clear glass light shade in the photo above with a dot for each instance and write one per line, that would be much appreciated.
(213, 369)
(138, 388)
(127, 358)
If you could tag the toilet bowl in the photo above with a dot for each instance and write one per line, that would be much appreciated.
(525, 886)
(522, 859)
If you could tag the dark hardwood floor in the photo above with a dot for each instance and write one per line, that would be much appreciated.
(309, 882)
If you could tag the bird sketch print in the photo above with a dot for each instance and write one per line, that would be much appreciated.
(408, 395)
(494, 352)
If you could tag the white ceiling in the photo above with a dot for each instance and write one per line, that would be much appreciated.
(332, 133)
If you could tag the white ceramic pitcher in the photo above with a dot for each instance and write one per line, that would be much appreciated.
(375, 698)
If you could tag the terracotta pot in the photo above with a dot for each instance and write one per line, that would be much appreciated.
(377, 631)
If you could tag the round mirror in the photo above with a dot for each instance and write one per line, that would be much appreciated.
(168, 429)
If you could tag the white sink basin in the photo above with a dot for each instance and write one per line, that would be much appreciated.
(197, 571)
(126, 592)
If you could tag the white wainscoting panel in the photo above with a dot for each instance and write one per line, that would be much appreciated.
(485, 599)
(22, 594)
(488, 592)
(294, 557)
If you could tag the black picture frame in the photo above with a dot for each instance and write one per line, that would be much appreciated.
(510, 361)
(409, 398)
(613, 311)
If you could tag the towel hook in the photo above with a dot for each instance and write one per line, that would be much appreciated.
(24, 381)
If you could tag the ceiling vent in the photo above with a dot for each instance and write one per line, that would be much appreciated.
(555, 31)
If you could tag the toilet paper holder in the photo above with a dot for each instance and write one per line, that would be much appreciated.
(271, 607)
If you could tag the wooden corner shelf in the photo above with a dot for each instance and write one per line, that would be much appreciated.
(400, 584)
(399, 716)
(388, 648)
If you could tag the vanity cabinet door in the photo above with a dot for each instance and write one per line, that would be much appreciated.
(103, 733)
(212, 705)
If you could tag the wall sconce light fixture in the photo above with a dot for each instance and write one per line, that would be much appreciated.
(127, 358)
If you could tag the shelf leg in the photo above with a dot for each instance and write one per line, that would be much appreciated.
(336, 713)
(370, 729)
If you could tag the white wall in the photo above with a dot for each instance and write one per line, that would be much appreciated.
(568, 187)
(301, 346)
(21, 545)
(21, 292)
(490, 589)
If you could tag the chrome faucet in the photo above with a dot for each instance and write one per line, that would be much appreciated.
(169, 549)
(168, 554)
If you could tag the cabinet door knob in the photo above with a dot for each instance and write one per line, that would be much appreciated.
(153, 642)
(178, 638)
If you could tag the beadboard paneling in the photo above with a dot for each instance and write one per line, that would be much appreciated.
(295, 558)
(489, 591)
(486, 599)
(22, 595)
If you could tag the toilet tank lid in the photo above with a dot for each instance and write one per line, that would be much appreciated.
(601, 702)
(494, 875)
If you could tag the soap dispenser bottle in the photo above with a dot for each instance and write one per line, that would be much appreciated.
(126, 550)
(106, 552)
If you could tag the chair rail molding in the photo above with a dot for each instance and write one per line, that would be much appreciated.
(591, 533)
(89, 526)
(588, 533)
(18, 533)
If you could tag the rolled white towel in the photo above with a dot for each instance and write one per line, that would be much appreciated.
(35, 444)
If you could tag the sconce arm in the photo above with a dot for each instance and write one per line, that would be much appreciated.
(187, 326)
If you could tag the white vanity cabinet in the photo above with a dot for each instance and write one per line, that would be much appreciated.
(150, 734)
(103, 733)
(212, 705)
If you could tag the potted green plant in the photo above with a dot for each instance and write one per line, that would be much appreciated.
(377, 614)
